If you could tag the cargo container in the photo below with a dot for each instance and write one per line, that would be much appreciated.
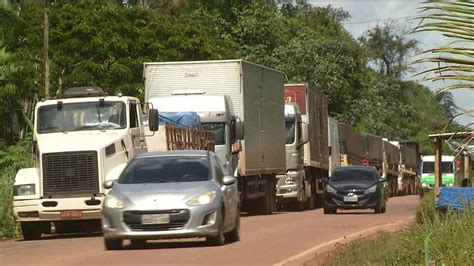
(241, 102)
(350, 145)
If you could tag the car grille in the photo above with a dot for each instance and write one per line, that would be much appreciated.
(70, 173)
(178, 219)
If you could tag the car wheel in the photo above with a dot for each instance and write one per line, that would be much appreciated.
(234, 235)
(30, 230)
(113, 244)
(138, 243)
(328, 210)
(219, 239)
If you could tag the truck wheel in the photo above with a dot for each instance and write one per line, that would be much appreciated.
(299, 206)
(113, 244)
(328, 210)
(309, 204)
(31, 230)
(234, 235)
(378, 208)
(219, 239)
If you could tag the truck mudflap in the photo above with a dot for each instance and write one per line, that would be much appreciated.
(86, 208)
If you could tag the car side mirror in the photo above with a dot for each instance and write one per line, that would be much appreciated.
(108, 184)
(153, 120)
(239, 129)
(229, 180)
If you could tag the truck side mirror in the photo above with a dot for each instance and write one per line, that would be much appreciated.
(239, 129)
(304, 133)
(153, 120)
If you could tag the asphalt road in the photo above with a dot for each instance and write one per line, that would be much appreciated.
(265, 240)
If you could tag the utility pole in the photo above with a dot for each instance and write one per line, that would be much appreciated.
(46, 47)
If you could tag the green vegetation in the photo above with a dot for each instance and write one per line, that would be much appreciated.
(443, 238)
(104, 43)
(11, 160)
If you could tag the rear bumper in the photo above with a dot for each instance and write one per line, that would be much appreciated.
(37, 210)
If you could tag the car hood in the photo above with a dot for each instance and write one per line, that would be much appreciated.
(161, 195)
(351, 185)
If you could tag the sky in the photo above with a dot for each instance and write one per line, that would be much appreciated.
(367, 14)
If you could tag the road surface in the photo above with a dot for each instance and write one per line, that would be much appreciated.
(265, 240)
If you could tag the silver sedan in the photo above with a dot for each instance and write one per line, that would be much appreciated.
(175, 194)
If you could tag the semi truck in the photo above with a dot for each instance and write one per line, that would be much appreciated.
(312, 151)
(408, 169)
(350, 145)
(391, 162)
(241, 102)
(79, 141)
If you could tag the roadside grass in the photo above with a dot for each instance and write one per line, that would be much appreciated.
(440, 238)
(11, 160)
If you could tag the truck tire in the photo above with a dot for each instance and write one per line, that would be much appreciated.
(113, 244)
(328, 210)
(310, 202)
(31, 230)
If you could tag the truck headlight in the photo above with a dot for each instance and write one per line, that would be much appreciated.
(371, 189)
(113, 202)
(203, 199)
(331, 190)
(450, 184)
(290, 181)
(24, 190)
(424, 185)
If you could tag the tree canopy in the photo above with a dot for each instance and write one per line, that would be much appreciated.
(104, 43)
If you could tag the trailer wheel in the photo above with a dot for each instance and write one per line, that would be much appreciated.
(31, 230)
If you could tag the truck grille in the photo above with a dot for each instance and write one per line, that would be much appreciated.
(70, 173)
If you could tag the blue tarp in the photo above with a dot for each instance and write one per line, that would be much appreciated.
(456, 198)
(186, 119)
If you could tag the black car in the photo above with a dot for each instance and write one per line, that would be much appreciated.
(355, 187)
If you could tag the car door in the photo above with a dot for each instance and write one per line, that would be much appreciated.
(227, 191)
(136, 128)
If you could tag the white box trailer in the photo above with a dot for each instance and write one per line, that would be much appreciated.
(251, 94)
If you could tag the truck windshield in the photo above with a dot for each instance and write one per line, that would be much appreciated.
(290, 132)
(81, 116)
(446, 167)
(166, 169)
(219, 131)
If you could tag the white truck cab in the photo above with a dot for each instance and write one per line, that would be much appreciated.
(80, 141)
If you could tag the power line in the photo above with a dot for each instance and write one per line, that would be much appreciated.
(378, 20)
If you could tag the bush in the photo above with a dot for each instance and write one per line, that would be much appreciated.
(445, 238)
(11, 160)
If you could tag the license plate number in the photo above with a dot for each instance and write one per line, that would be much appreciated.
(155, 219)
(351, 199)
(71, 214)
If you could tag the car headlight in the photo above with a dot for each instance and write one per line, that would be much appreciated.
(203, 199)
(113, 202)
(424, 185)
(290, 181)
(331, 190)
(450, 184)
(24, 190)
(371, 189)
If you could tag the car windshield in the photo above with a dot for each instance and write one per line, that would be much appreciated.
(447, 167)
(353, 175)
(81, 116)
(219, 131)
(166, 169)
(290, 131)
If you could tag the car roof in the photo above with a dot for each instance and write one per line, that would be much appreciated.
(196, 153)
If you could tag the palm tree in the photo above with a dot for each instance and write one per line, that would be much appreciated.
(454, 62)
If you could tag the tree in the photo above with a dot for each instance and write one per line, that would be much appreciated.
(388, 49)
(454, 63)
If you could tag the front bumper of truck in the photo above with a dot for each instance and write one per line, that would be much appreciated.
(290, 187)
(57, 209)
